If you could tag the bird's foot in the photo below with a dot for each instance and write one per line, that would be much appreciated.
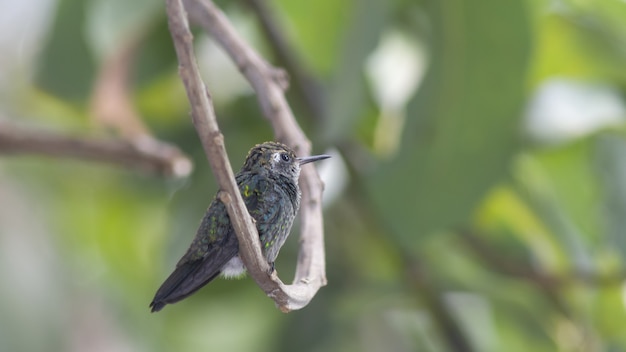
(272, 268)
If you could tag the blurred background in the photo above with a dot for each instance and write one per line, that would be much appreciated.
(476, 200)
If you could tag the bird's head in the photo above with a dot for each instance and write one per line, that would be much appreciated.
(277, 158)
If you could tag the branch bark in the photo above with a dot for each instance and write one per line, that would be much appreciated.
(146, 154)
(269, 84)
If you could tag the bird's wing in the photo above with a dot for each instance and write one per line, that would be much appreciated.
(214, 245)
(253, 188)
(269, 204)
(262, 203)
(215, 242)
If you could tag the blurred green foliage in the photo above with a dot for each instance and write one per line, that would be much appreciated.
(456, 229)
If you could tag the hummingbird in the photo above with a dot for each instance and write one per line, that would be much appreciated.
(268, 182)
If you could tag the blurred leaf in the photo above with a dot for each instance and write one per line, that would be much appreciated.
(537, 191)
(234, 322)
(66, 66)
(580, 39)
(156, 56)
(606, 318)
(611, 171)
(568, 167)
(504, 214)
(313, 28)
(163, 102)
(462, 128)
(112, 22)
(52, 111)
(347, 96)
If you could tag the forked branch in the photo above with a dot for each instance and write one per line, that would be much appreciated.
(269, 84)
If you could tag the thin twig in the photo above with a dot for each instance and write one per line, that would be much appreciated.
(146, 154)
(492, 258)
(111, 104)
(306, 86)
(428, 289)
(269, 84)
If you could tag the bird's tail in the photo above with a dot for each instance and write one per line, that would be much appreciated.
(184, 281)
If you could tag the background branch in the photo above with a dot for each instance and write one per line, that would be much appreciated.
(430, 290)
(146, 154)
(492, 258)
(111, 107)
(269, 84)
(111, 103)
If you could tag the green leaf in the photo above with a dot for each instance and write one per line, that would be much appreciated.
(538, 192)
(566, 169)
(611, 171)
(67, 67)
(312, 27)
(462, 128)
(347, 96)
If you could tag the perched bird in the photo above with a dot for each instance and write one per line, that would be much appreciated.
(268, 182)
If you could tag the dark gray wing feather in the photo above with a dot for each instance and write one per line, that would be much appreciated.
(190, 276)
(214, 245)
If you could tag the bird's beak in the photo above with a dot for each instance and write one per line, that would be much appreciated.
(310, 159)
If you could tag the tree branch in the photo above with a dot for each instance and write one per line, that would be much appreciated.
(212, 139)
(269, 84)
(427, 287)
(146, 154)
(111, 104)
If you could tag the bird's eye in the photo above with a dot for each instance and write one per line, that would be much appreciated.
(285, 157)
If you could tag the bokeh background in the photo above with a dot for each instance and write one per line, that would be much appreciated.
(476, 200)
